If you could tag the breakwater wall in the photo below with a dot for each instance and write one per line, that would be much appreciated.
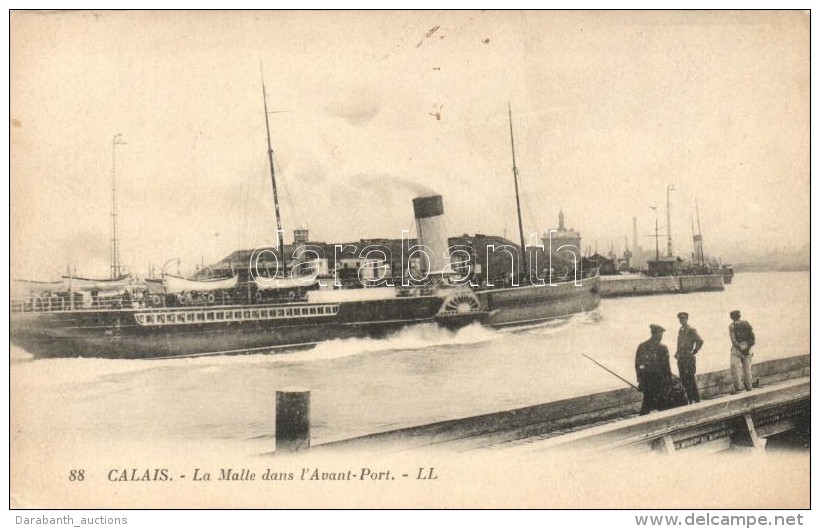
(559, 416)
(701, 283)
(616, 286)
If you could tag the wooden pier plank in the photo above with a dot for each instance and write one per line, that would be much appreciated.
(647, 428)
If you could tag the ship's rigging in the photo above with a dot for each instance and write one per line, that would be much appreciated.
(279, 232)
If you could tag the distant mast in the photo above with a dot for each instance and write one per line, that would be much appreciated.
(695, 252)
(524, 256)
(116, 267)
(701, 256)
(279, 232)
(669, 188)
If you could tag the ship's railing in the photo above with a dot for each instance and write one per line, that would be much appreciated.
(202, 312)
(62, 304)
(65, 301)
(155, 317)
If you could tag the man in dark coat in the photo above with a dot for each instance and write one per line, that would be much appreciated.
(743, 338)
(689, 343)
(652, 368)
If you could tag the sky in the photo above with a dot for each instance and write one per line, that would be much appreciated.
(370, 109)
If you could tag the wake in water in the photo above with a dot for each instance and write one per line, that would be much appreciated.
(556, 325)
(427, 336)
(412, 338)
(72, 371)
(408, 339)
(19, 356)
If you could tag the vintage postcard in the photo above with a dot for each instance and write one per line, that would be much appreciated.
(409, 259)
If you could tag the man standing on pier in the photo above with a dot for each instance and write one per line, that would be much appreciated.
(689, 343)
(652, 368)
(743, 338)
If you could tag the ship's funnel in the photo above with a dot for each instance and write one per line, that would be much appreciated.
(429, 213)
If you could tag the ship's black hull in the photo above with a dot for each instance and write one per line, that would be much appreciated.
(179, 332)
(119, 334)
(529, 305)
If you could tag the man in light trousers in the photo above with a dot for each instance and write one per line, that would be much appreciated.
(740, 332)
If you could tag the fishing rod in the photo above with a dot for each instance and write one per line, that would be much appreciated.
(611, 371)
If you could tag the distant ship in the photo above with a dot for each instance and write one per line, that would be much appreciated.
(701, 264)
(668, 274)
(728, 273)
(181, 317)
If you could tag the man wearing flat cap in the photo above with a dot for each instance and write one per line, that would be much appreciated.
(689, 343)
(743, 338)
(652, 368)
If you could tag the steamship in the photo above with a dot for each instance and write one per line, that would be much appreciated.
(183, 317)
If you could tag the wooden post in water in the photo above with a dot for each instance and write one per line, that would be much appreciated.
(292, 420)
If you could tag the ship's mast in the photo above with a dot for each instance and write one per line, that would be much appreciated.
(279, 231)
(669, 188)
(657, 248)
(694, 239)
(700, 235)
(116, 268)
(525, 257)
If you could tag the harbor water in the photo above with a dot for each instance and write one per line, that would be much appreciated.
(225, 404)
